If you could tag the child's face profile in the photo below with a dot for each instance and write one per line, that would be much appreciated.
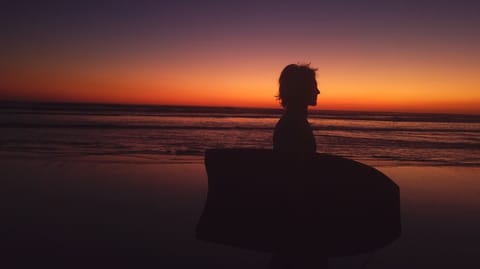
(314, 92)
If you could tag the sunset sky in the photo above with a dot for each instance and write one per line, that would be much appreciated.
(420, 56)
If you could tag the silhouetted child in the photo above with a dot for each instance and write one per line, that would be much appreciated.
(298, 90)
(293, 136)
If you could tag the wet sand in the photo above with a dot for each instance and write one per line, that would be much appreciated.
(124, 212)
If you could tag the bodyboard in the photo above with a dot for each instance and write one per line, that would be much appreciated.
(259, 199)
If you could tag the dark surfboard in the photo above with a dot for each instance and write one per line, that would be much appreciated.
(262, 200)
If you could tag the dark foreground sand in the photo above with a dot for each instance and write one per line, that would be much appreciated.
(98, 214)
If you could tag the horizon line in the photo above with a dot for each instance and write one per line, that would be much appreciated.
(99, 103)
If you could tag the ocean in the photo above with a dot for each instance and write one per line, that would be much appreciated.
(125, 179)
(180, 134)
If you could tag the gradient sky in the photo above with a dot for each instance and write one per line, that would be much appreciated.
(418, 55)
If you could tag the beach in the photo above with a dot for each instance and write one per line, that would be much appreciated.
(124, 184)
(317, 121)
(117, 209)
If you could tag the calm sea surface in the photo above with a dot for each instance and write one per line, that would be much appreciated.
(181, 134)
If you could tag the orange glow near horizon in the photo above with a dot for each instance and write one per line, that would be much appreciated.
(370, 87)
(154, 57)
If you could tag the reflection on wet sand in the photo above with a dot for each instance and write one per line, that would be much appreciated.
(148, 212)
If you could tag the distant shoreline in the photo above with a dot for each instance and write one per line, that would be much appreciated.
(160, 108)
